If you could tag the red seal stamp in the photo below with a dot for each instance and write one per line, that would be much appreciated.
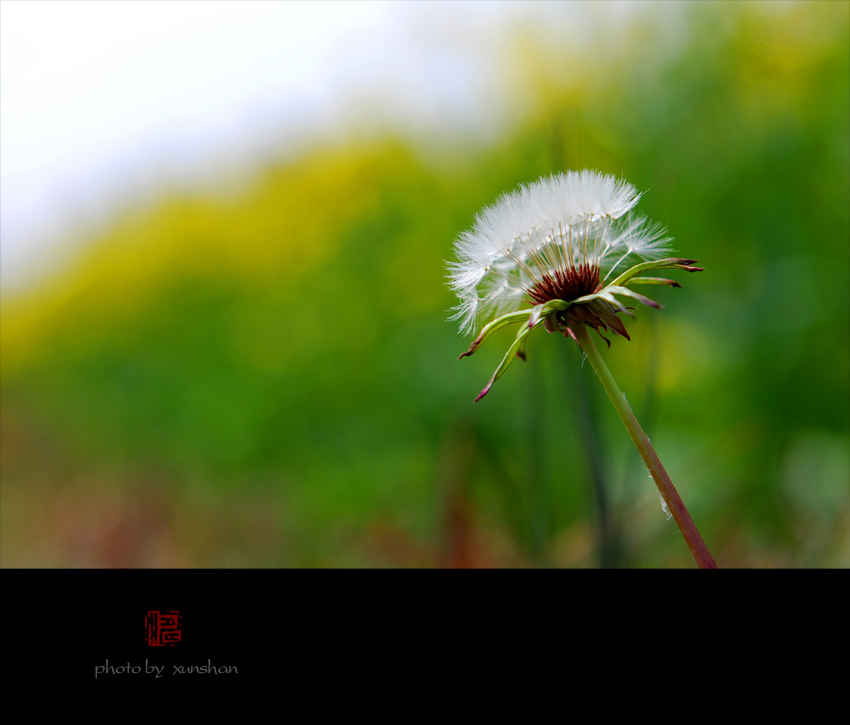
(163, 628)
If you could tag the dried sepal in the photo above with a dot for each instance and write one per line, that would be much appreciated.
(509, 357)
(500, 322)
(670, 263)
(655, 280)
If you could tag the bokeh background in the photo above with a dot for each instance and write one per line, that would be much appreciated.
(224, 236)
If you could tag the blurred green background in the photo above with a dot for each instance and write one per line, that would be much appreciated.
(266, 377)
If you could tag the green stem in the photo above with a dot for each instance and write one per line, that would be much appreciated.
(668, 491)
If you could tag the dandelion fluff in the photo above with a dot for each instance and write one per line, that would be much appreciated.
(545, 231)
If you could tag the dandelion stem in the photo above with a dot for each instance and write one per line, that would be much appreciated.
(668, 491)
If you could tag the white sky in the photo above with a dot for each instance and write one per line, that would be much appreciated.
(101, 101)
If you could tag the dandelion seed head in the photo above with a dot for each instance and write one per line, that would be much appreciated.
(553, 238)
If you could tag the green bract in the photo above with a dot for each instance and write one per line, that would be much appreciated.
(598, 310)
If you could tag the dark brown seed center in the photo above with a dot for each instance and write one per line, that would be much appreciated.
(566, 285)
